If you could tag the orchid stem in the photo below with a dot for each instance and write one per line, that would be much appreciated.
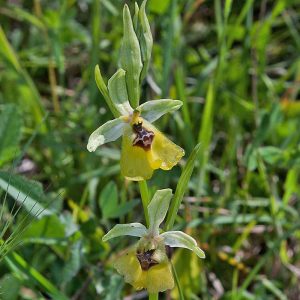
(145, 200)
(153, 296)
(181, 296)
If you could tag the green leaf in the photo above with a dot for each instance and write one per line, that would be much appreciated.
(188, 267)
(123, 209)
(23, 15)
(110, 7)
(145, 39)
(26, 192)
(270, 285)
(109, 203)
(108, 132)
(270, 154)
(131, 229)
(10, 132)
(100, 82)
(21, 268)
(154, 109)
(114, 287)
(158, 208)
(205, 133)
(48, 227)
(72, 266)
(269, 121)
(181, 187)
(9, 287)
(252, 159)
(182, 240)
(7, 51)
(227, 9)
(108, 199)
(118, 92)
(158, 6)
(104, 91)
(130, 59)
(29, 95)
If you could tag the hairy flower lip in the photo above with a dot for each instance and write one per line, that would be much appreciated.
(143, 137)
(157, 278)
(146, 259)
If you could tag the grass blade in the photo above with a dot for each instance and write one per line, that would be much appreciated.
(181, 187)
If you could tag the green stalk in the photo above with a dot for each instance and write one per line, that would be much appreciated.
(145, 199)
(181, 188)
(95, 24)
(153, 296)
(168, 46)
(180, 292)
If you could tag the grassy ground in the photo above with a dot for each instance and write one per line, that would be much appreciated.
(236, 67)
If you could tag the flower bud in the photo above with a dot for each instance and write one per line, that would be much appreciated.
(130, 59)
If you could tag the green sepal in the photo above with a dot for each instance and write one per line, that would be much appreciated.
(118, 92)
(158, 208)
(154, 109)
(104, 91)
(108, 132)
(130, 59)
(182, 240)
(131, 229)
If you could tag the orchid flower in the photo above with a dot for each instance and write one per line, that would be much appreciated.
(147, 265)
(144, 147)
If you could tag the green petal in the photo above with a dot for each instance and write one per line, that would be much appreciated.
(132, 229)
(182, 240)
(118, 92)
(108, 132)
(154, 109)
(104, 91)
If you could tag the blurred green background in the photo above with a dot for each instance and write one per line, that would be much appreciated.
(236, 67)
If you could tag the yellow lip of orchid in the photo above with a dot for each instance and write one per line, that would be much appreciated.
(139, 161)
(157, 278)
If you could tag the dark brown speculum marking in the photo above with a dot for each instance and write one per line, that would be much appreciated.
(169, 251)
(145, 259)
(144, 137)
